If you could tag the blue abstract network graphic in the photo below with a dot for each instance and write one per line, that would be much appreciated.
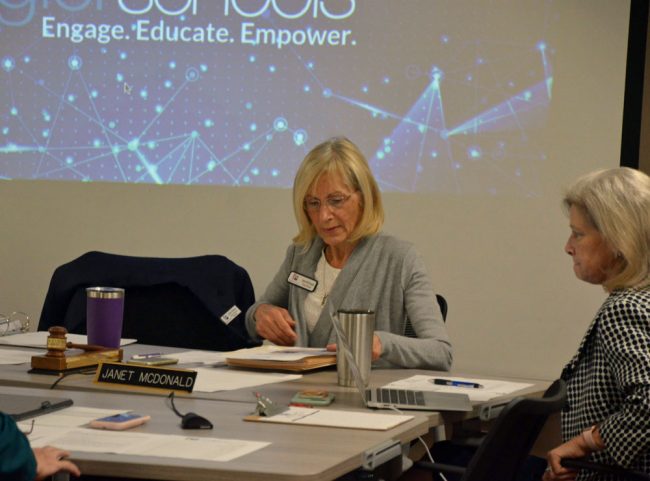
(446, 98)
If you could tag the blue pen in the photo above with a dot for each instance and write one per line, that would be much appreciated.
(146, 356)
(450, 382)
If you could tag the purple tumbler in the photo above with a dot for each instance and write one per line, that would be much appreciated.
(104, 313)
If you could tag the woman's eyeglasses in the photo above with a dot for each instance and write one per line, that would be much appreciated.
(14, 323)
(335, 202)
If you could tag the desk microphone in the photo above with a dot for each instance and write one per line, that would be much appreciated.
(190, 420)
(194, 421)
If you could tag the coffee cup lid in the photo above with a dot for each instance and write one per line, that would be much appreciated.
(105, 292)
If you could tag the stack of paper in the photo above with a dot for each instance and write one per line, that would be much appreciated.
(279, 358)
(334, 418)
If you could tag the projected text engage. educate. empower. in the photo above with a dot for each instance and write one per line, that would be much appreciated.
(161, 31)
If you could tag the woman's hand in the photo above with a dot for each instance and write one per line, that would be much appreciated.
(49, 461)
(574, 448)
(376, 347)
(275, 324)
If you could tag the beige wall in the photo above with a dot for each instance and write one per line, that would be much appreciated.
(518, 309)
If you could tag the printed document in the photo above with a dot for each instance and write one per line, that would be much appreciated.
(64, 429)
(279, 353)
(141, 444)
(39, 339)
(224, 379)
(15, 356)
(209, 358)
(335, 418)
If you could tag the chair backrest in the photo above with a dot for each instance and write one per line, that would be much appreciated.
(168, 301)
(512, 435)
(442, 303)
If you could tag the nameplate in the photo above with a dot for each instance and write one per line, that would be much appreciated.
(159, 378)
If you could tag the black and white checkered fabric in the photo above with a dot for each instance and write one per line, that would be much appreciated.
(608, 383)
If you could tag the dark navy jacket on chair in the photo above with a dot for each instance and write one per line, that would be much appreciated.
(168, 301)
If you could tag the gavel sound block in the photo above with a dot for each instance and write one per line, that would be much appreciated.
(57, 359)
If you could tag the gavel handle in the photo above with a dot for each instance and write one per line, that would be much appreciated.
(85, 347)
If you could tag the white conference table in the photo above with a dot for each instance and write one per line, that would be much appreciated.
(296, 452)
(281, 392)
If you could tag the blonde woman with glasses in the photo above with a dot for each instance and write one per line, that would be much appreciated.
(340, 260)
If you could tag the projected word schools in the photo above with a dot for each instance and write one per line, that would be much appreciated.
(236, 92)
(22, 12)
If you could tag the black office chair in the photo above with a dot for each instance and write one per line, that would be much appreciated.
(442, 303)
(168, 301)
(507, 444)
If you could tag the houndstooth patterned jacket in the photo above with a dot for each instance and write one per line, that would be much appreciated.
(608, 383)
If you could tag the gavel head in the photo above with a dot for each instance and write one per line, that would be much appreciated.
(56, 341)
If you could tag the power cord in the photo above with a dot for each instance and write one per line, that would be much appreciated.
(426, 448)
(62, 376)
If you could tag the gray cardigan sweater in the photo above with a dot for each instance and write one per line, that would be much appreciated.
(383, 274)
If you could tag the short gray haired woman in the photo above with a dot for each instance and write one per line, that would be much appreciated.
(340, 260)
(608, 380)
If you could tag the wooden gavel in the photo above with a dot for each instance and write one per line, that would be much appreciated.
(57, 343)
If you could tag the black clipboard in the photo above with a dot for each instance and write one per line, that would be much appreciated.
(21, 407)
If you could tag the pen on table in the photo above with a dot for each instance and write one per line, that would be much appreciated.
(451, 382)
(146, 356)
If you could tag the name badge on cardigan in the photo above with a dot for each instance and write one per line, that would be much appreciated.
(303, 282)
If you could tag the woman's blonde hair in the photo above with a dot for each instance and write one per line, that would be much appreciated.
(340, 156)
(617, 203)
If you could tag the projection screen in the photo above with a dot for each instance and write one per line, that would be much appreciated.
(185, 120)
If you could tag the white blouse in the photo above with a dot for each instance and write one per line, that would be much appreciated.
(326, 276)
